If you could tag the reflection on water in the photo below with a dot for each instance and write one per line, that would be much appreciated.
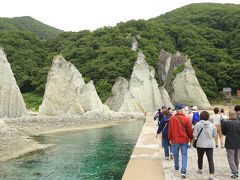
(91, 154)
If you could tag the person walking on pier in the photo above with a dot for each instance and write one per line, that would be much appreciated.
(179, 135)
(163, 127)
(206, 132)
(231, 129)
(216, 119)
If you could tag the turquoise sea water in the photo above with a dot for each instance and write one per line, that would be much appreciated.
(91, 154)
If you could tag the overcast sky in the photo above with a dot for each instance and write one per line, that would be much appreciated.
(75, 15)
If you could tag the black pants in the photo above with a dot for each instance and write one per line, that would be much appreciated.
(209, 153)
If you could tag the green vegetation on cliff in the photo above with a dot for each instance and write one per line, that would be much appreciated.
(208, 33)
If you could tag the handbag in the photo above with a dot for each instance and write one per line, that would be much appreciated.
(195, 142)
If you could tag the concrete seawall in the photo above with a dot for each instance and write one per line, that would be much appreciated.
(145, 162)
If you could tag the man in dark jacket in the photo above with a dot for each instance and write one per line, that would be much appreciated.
(231, 129)
(179, 135)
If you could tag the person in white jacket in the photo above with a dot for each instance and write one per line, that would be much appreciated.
(205, 142)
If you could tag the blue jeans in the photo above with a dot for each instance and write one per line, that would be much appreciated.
(166, 146)
(183, 148)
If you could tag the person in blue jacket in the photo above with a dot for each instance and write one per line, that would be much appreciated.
(163, 127)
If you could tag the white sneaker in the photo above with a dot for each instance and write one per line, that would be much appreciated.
(183, 176)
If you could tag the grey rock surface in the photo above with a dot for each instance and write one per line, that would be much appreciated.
(143, 85)
(134, 44)
(141, 94)
(166, 65)
(187, 90)
(122, 100)
(66, 91)
(11, 100)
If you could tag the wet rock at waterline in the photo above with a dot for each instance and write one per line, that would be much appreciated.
(187, 90)
(11, 100)
(66, 93)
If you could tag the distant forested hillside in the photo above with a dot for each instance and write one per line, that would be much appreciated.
(27, 23)
(208, 33)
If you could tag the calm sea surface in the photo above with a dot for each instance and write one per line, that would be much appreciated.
(91, 154)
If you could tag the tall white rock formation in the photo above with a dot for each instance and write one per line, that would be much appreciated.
(165, 97)
(122, 100)
(66, 93)
(134, 44)
(187, 90)
(11, 100)
(143, 85)
(141, 94)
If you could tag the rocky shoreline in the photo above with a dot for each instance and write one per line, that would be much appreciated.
(16, 133)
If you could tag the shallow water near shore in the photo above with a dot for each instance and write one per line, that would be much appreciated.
(90, 154)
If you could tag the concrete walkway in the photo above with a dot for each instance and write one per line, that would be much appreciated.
(148, 163)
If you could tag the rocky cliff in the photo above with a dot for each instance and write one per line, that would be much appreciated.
(122, 100)
(11, 100)
(166, 65)
(66, 92)
(141, 93)
(187, 90)
(143, 85)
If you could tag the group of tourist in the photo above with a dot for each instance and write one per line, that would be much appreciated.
(185, 126)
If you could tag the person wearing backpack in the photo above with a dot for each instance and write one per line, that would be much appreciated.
(195, 117)
(205, 132)
(216, 119)
(163, 127)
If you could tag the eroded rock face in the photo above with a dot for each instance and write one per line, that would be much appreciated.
(134, 44)
(66, 93)
(187, 90)
(11, 100)
(166, 65)
(90, 100)
(143, 85)
(165, 97)
(141, 94)
(122, 101)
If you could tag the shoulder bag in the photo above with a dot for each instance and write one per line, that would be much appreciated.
(195, 141)
(181, 123)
